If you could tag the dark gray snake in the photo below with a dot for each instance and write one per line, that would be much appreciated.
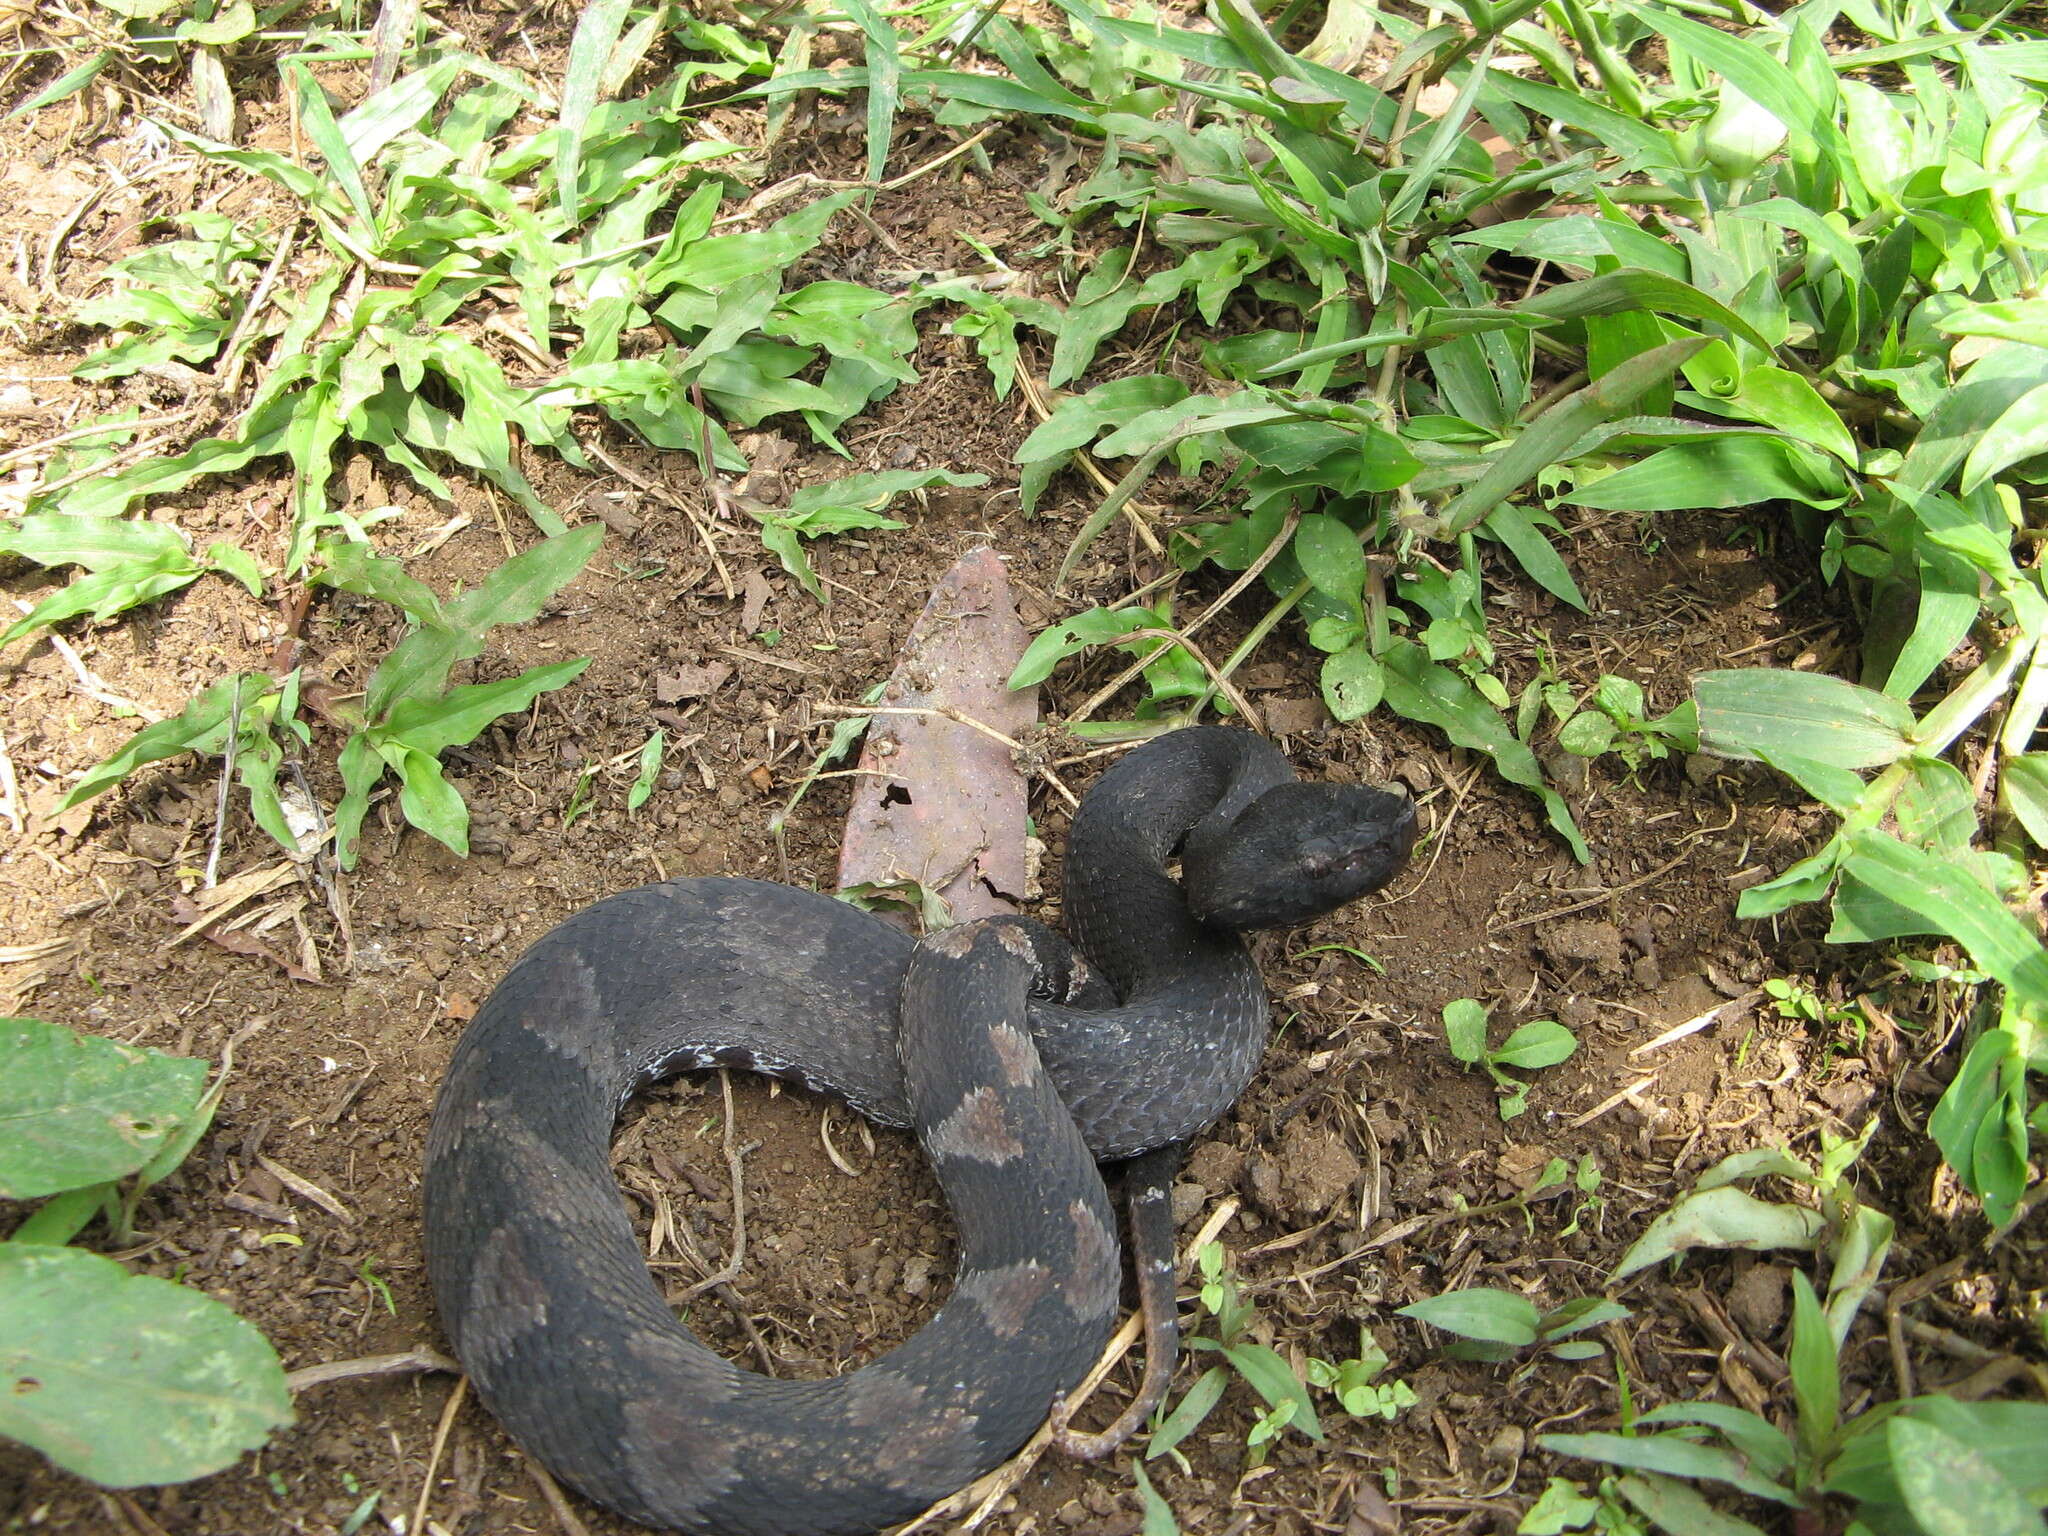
(534, 1265)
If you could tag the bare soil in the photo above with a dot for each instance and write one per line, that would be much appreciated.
(1360, 1123)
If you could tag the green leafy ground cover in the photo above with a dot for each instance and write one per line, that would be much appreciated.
(1400, 324)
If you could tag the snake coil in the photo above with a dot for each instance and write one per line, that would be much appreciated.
(1018, 1069)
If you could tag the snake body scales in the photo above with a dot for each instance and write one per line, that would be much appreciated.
(1015, 1097)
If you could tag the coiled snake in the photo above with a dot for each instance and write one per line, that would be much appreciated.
(1014, 1095)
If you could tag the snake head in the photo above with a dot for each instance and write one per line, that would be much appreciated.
(1296, 852)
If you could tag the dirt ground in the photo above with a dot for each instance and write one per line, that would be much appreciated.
(1359, 1123)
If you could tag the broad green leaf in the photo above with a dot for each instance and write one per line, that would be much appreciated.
(1465, 1028)
(994, 91)
(317, 117)
(1646, 146)
(1958, 904)
(873, 492)
(1327, 550)
(429, 801)
(590, 47)
(780, 538)
(127, 1379)
(512, 594)
(459, 716)
(81, 1110)
(2023, 320)
(1421, 690)
(1674, 1456)
(1678, 1507)
(1728, 472)
(237, 564)
(202, 726)
(97, 543)
(1839, 789)
(1966, 410)
(1545, 439)
(1053, 645)
(1078, 419)
(111, 494)
(1584, 1312)
(1747, 711)
(104, 594)
(1972, 1123)
(2023, 792)
(1274, 1380)
(1767, 1446)
(1951, 1489)
(2020, 433)
(354, 566)
(1516, 527)
(1587, 734)
(1352, 681)
(1756, 1163)
(885, 82)
(368, 127)
(61, 1218)
(1293, 446)
(1562, 1507)
(1778, 397)
(2007, 1434)
(1755, 72)
(650, 770)
(1156, 1515)
(360, 769)
(1580, 240)
(1634, 288)
(1816, 1384)
(1541, 1043)
(1937, 808)
(1726, 1217)
(68, 84)
(1481, 1312)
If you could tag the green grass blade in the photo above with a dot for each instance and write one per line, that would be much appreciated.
(1958, 904)
(597, 31)
(327, 137)
(885, 82)
(1562, 424)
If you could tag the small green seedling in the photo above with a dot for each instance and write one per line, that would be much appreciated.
(1584, 1177)
(1565, 1506)
(1539, 1043)
(1494, 1325)
(1614, 718)
(580, 797)
(377, 1285)
(1355, 1383)
(1286, 1395)
(650, 770)
(1795, 1000)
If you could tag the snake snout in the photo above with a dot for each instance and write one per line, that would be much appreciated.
(1298, 851)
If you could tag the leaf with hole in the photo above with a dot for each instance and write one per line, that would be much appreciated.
(80, 1110)
(1352, 682)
